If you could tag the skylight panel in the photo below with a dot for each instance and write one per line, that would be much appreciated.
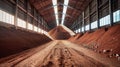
(54, 2)
(64, 10)
(55, 11)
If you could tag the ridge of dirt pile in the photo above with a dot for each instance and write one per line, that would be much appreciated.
(102, 39)
(59, 33)
(91, 37)
(111, 40)
(75, 37)
(16, 40)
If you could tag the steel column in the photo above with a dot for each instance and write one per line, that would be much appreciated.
(16, 14)
(98, 17)
(111, 12)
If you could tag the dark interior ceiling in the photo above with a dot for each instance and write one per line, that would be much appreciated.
(45, 8)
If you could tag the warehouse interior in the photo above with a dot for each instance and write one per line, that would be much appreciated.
(59, 33)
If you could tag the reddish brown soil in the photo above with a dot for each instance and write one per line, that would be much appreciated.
(104, 39)
(15, 40)
(59, 33)
(72, 37)
(58, 54)
(91, 37)
(75, 37)
(111, 39)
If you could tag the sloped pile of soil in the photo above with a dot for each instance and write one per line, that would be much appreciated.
(75, 37)
(92, 37)
(15, 40)
(59, 33)
(111, 39)
(84, 38)
(104, 39)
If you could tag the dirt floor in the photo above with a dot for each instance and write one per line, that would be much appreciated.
(58, 53)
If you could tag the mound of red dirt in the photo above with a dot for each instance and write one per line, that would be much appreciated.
(91, 37)
(111, 39)
(104, 38)
(16, 40)
(75, 37)
(59, 33)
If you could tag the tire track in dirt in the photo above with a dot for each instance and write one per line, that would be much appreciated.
(14, 60)
(91, 55)
(55, 54)
(62, 56)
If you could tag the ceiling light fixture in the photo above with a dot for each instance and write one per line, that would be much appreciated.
(64, 11)
(55, 11)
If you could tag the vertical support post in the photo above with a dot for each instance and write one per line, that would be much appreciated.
(111, 12)
(27, 15)
(76, 26)
(16, 14)
(89, 17)
(84, 21)
(80, 26)
(38, 27)
(98, 17)
(37, 22)
(42, 25)
(33, 17)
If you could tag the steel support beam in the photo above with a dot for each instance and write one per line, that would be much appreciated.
(98, 17)
(89, 18)
(33, 17)
(81, 27)
(57, 14)
(45, 9)
(73, 25)
(16, 14)
(111, 12)
(27, 15)
(83, 21)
